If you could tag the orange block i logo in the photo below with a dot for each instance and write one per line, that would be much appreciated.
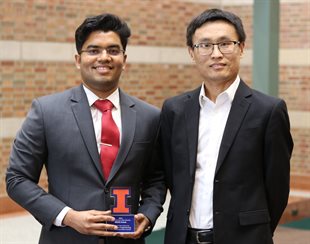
(120, 195)
(121, 210)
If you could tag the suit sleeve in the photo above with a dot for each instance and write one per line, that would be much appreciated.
(165, 135)
(28, 155)
(153, 192)
(278, 149)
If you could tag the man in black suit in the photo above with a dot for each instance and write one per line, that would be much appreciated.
(85, 158)
(226, 147)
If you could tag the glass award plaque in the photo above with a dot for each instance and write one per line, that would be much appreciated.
(124, 220)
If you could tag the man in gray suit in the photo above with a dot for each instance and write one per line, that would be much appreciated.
(63, 132)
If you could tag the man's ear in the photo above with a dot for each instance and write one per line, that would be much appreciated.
(241, 45)
(124, 65)
(77, 61)
(191, 52)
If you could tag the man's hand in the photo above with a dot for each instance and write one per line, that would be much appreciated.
(142, 223)
(90, 222)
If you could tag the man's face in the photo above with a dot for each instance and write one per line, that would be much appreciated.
(100, 70)
(217, 68)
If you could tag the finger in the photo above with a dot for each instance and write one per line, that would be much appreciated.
(108, 227)
(143, 222)
(142, 219)
(139, 231)
(139, 217)
(103, 218)
(103, 227)
(141, 226)
(108, 212)
(97, 212)
(104, 230)
(134, 235)
(127, 235)
(104, 233)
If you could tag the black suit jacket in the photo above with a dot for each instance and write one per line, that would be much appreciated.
(251, 183)
(58, 133)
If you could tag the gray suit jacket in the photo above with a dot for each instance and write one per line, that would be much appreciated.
(251, 182)
(58, 133)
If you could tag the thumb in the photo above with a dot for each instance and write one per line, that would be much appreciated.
(139, 217)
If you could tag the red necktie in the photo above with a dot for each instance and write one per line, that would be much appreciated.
(109, 136)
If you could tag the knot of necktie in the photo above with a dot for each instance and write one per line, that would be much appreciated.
(103, 105)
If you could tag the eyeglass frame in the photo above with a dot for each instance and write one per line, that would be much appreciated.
(198, 45)
(101, 49)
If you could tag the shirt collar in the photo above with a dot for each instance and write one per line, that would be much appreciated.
(229, 92)
(92, 97)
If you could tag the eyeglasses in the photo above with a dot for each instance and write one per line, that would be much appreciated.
(206, 48)
(96, 51)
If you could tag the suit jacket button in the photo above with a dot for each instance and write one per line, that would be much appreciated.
(106, 191)
(187, 211)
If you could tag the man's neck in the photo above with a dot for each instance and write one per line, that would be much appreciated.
(213, 89)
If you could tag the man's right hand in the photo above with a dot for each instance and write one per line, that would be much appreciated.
(91, 222)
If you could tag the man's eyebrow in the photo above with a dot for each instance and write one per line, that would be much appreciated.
(114, 45)
(207, 40)
(225, 38)
(204, 40)
(109, 46)
(92, 46)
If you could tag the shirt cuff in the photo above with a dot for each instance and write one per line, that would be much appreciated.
(61, 216)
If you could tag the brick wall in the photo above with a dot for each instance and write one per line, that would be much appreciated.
(153, 24)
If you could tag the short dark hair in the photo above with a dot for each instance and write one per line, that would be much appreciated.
(103, 22)
(213, 15)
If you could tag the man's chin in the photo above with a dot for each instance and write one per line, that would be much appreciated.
(105, 86)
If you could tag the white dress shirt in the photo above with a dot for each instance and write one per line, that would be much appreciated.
(212, 122)
(96, 115)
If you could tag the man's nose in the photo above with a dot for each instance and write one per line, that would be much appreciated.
(103, 55)
(216, 51)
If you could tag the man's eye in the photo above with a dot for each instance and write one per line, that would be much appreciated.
(113, 51)
(93, 51)
(205, 45)
(225, 44)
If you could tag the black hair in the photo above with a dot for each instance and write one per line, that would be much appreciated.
(213, 15)
(103, 22)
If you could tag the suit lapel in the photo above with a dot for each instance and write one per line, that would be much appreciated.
(128, 116)
(239, 108)
(81, 111)
(192, 109)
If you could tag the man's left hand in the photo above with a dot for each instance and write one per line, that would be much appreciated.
(142, 224)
